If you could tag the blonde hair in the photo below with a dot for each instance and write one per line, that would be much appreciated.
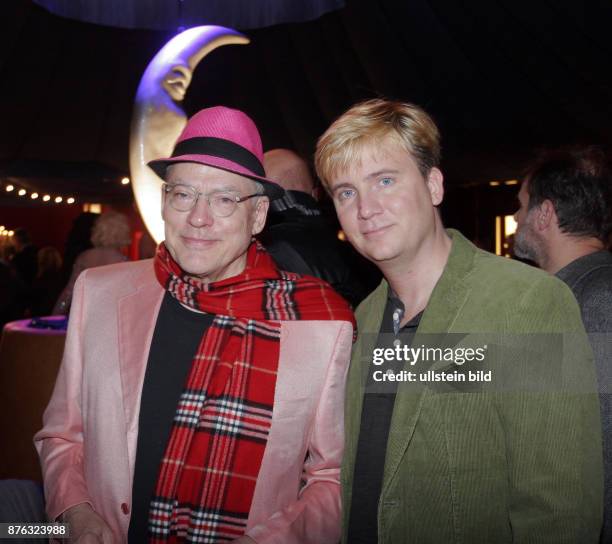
(111, 229)
(339, 148)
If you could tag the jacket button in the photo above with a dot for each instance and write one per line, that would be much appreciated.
(125, 508)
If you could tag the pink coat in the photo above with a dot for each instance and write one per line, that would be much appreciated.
(88, 442)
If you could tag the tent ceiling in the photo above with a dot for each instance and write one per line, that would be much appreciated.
(501, 77)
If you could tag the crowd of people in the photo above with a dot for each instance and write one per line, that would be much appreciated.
(38, 282)
(30, 278)
(226, 389)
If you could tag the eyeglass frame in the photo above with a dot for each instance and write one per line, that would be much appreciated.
(166, 187)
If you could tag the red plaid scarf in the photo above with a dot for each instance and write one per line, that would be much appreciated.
(209, 470)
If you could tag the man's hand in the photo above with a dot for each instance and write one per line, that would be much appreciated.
(87, 527)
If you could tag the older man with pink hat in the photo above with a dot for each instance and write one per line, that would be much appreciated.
(200, 397)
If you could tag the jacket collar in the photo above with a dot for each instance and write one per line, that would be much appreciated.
(447, 299)
(573, 272)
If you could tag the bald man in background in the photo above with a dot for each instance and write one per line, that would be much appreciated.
(289, 167)
(300, 239)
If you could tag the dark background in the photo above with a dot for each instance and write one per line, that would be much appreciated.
(501, 77)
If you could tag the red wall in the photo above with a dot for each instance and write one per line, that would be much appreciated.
(49, 225)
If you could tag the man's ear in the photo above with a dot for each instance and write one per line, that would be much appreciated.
(435, 184)
(260, 213)
(546, 215)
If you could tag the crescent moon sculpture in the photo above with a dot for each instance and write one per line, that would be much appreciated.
(158, 119)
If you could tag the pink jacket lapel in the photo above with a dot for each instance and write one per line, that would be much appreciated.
(136, 314)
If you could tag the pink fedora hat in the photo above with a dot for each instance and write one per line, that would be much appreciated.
(222, 138)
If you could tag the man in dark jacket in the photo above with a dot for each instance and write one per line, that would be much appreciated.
(299, 237)
(564, 224)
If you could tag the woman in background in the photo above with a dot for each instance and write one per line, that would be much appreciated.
(111, 232)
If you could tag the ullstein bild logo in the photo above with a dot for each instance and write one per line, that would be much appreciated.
(431, 376)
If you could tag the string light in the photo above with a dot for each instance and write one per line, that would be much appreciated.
(125, 181)
(22, 191)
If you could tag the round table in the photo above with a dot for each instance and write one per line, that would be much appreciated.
(29, 361)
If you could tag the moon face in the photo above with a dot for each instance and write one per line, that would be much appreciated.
(158, 119)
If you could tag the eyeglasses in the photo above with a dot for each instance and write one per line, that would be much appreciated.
(184, 197)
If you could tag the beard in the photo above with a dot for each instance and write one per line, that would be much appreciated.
(527, 245)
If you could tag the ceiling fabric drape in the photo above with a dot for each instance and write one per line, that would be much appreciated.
(174, 14)
(500, 77)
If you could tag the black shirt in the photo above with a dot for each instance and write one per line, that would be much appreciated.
(176, 338)
(376, 414)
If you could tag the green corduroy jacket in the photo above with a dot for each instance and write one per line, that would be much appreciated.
(515, 460)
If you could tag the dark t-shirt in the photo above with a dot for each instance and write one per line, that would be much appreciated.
(376, 414)
(176, 338)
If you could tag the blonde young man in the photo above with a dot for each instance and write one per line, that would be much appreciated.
(430, 455)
